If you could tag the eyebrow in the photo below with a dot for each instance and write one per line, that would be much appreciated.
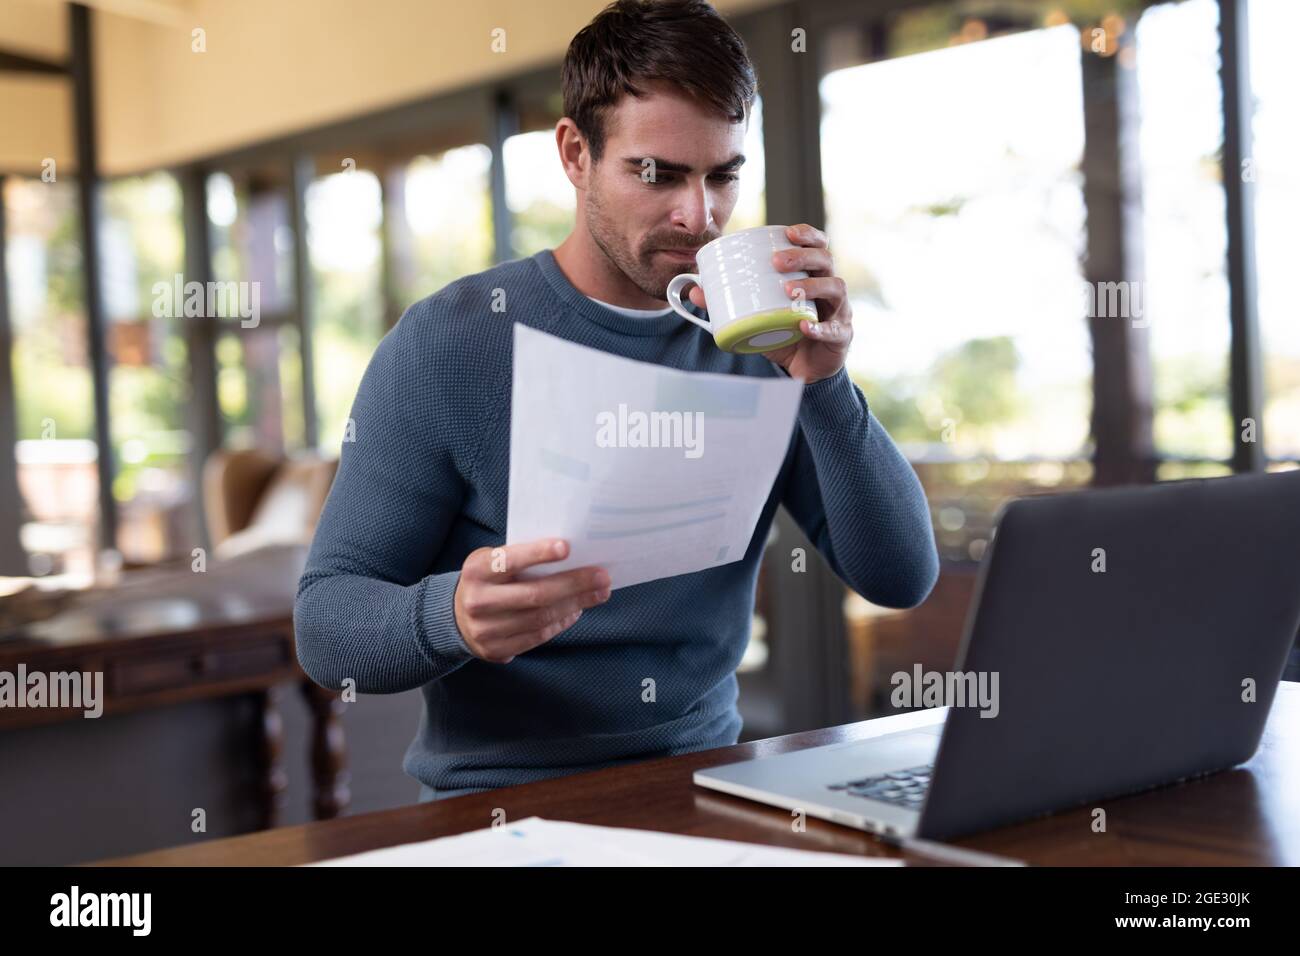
(670, 167)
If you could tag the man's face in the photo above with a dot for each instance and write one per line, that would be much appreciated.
(632, 215)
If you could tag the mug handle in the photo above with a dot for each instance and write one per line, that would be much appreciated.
(675, 299)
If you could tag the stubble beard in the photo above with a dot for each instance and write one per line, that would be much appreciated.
(640, 270)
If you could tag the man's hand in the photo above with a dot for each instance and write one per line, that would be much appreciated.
(500, 617)
(825, 345)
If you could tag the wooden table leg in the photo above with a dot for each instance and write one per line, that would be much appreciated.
(274, 782)
(329, 754)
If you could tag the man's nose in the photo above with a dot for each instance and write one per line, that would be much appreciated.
(694, 213)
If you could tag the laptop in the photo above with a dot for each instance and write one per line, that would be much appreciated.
(1137, 635)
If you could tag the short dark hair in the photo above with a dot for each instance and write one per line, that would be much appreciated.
(631, 42)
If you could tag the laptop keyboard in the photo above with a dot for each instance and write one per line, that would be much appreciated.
(904, 788)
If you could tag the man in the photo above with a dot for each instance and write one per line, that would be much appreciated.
(408, 585)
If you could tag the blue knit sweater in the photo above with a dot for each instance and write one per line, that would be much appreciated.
(425, 482)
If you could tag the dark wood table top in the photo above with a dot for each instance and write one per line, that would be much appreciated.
(156, 603)
(1246, 816)
(166, 636)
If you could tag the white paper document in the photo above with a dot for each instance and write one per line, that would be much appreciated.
(646, 471)
(538, 842)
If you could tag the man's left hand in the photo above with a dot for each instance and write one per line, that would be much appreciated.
(825, 343)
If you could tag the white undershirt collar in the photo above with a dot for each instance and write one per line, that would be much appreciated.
(634, 313)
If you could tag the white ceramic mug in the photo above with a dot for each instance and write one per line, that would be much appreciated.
(748, 307)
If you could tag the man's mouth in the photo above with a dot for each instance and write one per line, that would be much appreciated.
(679, 255)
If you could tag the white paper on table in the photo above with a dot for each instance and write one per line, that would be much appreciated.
(538, 842)
(641, 513)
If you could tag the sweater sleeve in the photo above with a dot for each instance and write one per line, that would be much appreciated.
(858, 499)
(367, 606)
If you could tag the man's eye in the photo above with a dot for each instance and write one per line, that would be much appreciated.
(664, 180)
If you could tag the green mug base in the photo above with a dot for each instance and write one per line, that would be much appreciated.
(761, 332)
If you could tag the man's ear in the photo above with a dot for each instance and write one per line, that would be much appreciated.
(575, 157)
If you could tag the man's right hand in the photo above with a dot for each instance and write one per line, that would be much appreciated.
(500, 616)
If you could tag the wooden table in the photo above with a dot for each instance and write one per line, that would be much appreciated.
(170, 636)
(1246, 816)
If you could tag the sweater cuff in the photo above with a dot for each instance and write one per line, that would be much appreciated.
(832, 401)
(440, 638)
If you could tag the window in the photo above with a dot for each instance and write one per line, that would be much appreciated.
(955, 209)
(1184, 234)
(56, 452)
(1275, 81)
(252, 238)
(259, 367)
(538, 193)
(344, 222)
(259, 387)
(143, 252)
(439, 217)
